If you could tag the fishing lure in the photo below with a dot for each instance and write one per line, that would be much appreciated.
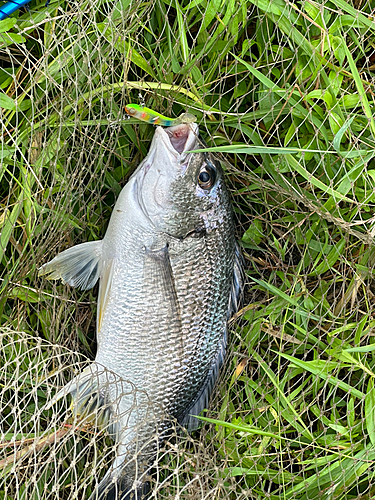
(9, 7)
(150, 116)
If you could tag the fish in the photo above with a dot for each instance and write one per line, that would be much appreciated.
(150, 116)
(171, 274)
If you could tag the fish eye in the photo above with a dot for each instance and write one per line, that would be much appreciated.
(206, 177)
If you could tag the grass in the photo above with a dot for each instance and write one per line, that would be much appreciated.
(284, 94)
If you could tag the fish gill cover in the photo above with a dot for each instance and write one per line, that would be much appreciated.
(285, 92)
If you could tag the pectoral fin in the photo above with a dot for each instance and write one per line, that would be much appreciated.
(79, 266)
(159, 278)
(104, 290)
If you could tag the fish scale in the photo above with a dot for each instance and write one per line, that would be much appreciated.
(169, 268)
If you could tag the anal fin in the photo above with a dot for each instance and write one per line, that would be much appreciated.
(90, 404)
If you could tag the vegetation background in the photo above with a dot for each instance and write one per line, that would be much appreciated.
(284, 90)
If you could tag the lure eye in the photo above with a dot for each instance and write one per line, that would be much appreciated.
(131, 111)
(206, 177)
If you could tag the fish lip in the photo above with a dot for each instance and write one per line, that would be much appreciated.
(179, 139)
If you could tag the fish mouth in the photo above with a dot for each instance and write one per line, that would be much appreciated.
(168, 158)
(180, 138)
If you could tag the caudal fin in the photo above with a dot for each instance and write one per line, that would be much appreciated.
(119, 486)
(91, 391)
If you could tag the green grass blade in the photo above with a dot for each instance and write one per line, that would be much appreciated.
(370, 410)
(361, 91)
(285, 401)
(297, 167)
(315, 370)
(182, 33)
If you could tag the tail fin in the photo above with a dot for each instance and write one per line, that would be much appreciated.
(127, 478)
(90, 392)
(120, 487)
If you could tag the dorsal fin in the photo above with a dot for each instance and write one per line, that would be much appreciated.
(203, 398)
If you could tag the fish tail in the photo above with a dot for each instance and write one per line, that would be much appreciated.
(119, 486)
(126, 478)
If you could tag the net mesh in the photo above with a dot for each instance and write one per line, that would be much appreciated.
(286, 89)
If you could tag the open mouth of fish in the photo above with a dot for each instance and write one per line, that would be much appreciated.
(181, 137)
(168, 158)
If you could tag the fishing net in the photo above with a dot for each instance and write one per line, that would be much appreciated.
(285, 90)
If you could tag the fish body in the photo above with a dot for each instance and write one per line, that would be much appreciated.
(150, 116)
(9, 7)
(170, 273)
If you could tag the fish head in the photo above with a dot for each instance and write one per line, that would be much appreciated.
(180, 192)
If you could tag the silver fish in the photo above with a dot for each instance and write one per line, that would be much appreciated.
(170, 274)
